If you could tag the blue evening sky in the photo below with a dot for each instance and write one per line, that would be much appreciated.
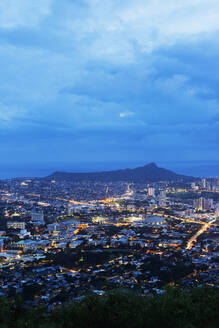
(108, 81)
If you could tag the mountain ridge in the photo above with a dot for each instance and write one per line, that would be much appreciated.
(147, 173)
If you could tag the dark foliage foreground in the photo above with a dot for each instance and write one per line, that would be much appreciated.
(173, 309)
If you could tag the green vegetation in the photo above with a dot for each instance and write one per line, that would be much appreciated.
(197, 308)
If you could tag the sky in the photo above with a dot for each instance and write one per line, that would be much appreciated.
(93, 81)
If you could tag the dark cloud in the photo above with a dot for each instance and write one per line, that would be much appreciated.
(87, 83)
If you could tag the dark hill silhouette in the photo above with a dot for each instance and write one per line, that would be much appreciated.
(148, 173)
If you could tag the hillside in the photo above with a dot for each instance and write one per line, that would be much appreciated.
(195, 308)
(148, 173)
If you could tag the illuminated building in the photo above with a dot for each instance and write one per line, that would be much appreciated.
(193, 185)
(133, 219)
(155, 221)
(99, 219)
(162, 198)
(203, 204)
(37, 218)
(204, 183)
(27, 245)
(16, 225)
(151, 192)
(217, 210)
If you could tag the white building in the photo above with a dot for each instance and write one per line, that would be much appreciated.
(151, 192)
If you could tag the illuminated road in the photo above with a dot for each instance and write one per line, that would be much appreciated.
(193, 239)
(128, 193)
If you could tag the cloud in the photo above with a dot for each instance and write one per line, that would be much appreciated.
(126, 114)
(25, 13)
(128, 77)
(111, 30)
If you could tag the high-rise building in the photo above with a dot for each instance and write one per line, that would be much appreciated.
(202, 204)
(162, 199)
(217, 210)
(151, 192)
(204, 183)
(193, 185)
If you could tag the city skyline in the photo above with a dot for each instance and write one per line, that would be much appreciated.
(109, 170)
